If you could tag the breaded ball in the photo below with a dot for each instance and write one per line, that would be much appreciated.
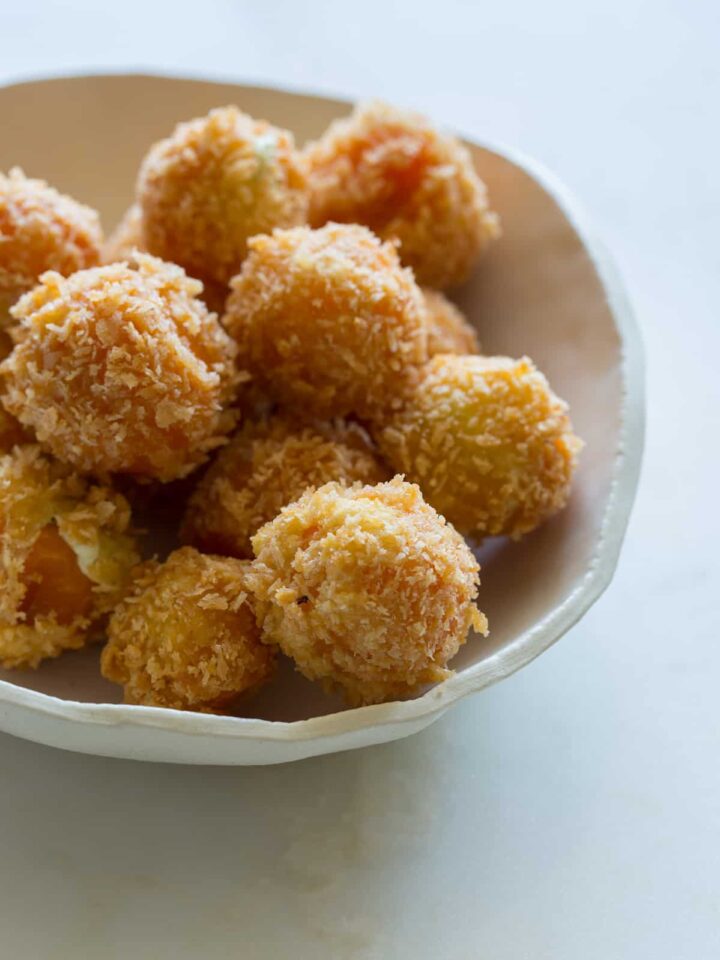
(121, 368)
(394, 172)
(267, 465)
(67, 554)
(487, 440)
(367, 588)
(186, 636)
(327, 320)
(41, 229)
(448, 330)
(213, 184)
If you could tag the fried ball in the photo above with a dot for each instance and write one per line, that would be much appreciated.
(394, 172)
(186, 636)
(67, 554)
(448, 330)
(327, 320)
(122, 368)
(267, 465)
(41, 229)
(367, 588)
(487, 440)
(213, 184)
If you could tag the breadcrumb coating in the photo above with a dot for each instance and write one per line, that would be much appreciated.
(395, 173)
(367, 588)
(215, 182)
(448, 330)
(41, 229)
(186, 636)
(121, 368)
(67, 554)
(327, 320)
(267, 465)
(488, 442)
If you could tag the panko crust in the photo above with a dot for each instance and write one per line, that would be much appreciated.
(367, 588)
(394, 172)
(40, 496)
(267, 465)
(487, 440)
(41, 229)
(448, 329)
(186, 636)
(327, 321)
(122, 369)
(215, 182)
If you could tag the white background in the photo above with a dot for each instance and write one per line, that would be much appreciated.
(572, 812)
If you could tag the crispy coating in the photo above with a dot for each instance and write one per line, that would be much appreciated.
(367, 588)
(41, 229)
(488, 442)
(215, 182)
(448, 330)
(327, 320)
(267, 465)
(121, 368)
(394, 172)
(186, 636)
(67, 554)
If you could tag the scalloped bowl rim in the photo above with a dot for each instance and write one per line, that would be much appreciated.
(504, 662)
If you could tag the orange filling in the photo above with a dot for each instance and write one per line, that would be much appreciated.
(54, 581)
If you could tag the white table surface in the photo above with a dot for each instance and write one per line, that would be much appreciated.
(573, 811)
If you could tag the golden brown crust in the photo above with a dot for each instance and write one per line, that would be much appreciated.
(121, 368)
(487, 440)
(448, 329)
(215, 182)
(186, 636)
(39, 496)
(366, 588)
(267, 465)
(327, 320)
(394, 172)
(41, 229)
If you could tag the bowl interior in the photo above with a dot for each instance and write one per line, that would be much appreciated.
(537, 293)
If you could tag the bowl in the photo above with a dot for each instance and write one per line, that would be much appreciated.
(547, 288)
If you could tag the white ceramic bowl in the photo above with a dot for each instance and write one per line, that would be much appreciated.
(547, 289)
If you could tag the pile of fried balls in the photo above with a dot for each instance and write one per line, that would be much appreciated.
(265, 336)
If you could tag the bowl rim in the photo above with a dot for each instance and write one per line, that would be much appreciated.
(525, 647)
